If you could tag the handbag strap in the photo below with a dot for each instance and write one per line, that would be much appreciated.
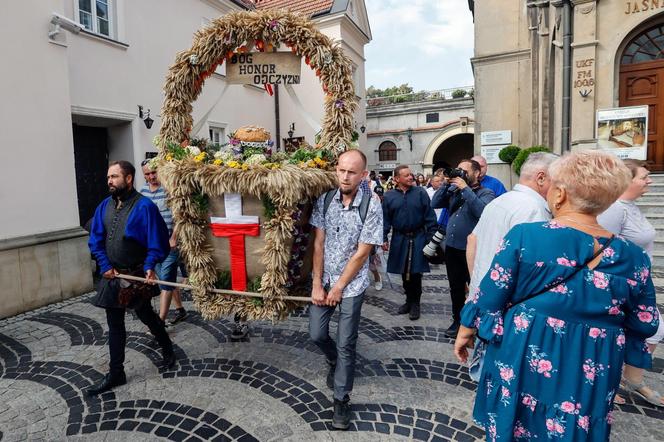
(568, 277)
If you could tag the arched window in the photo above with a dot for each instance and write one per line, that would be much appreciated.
(387, 151)
(647, 46)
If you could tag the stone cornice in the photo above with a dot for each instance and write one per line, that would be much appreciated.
(501, 56)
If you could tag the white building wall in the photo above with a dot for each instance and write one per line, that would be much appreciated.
(92, 81)
(37, 183)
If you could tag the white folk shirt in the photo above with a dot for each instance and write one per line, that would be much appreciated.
(521, 205)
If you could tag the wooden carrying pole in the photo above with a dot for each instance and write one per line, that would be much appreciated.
(220, 291)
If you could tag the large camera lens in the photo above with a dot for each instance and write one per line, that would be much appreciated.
(430, 249)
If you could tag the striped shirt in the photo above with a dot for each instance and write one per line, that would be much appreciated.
(159, 198)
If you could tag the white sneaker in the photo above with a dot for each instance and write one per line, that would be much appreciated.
(378, 285)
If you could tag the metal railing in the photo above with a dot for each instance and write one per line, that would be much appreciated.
(442, 94)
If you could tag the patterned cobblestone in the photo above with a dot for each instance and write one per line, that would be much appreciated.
(268, 386)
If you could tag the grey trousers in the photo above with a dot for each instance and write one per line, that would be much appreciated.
(341, 353)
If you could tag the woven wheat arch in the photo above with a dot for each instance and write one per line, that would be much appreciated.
(187, 181)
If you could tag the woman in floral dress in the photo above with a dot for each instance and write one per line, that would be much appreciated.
(553, 363)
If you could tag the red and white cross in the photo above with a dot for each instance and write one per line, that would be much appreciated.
(235, 226)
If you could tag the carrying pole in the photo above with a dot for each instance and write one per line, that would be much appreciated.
(220, 291)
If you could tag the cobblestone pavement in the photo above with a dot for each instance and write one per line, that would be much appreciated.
(270, 386)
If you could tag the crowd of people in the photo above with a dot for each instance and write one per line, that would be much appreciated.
(550, 282)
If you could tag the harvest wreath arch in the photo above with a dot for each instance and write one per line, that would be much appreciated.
(198, 177)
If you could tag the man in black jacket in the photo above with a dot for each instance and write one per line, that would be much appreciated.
(465, 199)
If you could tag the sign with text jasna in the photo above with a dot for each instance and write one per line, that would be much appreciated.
(260, 68)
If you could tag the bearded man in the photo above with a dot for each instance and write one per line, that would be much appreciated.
(128, 235)
(465, 199)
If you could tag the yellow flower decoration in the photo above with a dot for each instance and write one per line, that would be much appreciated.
(245, 167)
(169, 157)
(200, 157)
(234, 164)
(217, 162)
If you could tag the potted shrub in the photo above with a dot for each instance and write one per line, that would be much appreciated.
(509, 153)
(523, 156)
(459, 93)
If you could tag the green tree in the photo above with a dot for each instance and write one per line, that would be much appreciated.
(394, 90)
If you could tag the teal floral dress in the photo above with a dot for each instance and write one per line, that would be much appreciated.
(553, 363)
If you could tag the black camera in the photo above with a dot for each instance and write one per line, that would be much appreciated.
(452, 172)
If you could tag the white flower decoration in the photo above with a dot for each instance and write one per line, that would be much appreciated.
(256, 159)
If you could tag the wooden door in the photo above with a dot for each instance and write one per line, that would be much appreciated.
(643, 84)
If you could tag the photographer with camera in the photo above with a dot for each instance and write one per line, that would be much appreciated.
(465, 200)
(407, 212)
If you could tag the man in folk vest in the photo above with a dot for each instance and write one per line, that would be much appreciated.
(343, 240)
(128, 235)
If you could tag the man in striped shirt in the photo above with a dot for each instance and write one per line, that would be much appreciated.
(167, 270)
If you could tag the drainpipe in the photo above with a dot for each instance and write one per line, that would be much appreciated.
(277, 120)
(567, 75)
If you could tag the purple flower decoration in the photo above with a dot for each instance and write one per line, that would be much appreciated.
(273, 24)
(234, 142)
(270, 143)
(339, 104)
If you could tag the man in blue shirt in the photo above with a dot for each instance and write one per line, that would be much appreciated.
(128, 235)
(488, 181)
(167, 270)
(465, 200)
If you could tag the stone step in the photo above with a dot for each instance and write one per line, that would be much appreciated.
(650, 208)
(654, 194)
(658, 261)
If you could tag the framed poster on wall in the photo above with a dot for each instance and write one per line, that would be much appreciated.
(623, 131)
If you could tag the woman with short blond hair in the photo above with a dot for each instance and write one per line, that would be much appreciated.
(563, 305)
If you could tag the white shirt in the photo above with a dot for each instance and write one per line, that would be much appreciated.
(625, 219)
(430, 192)
(521, 205)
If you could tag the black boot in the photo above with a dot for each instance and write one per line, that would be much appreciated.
(404, 309)
(452, 331)
(168, 360)
(341, 417)
(414, 312)
(110, 380)
(330, 376)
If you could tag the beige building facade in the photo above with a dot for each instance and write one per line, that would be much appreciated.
(544, 68)
(425, 131)
(70, 105)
